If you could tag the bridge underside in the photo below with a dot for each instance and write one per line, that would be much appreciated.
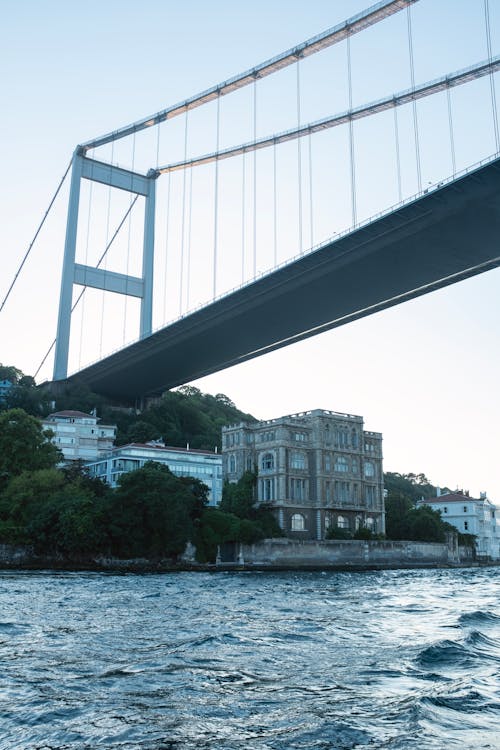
(443, 237)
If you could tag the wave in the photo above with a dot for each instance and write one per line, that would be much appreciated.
(479, 617)
(446, 653)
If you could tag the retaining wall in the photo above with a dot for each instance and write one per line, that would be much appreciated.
(303, 554)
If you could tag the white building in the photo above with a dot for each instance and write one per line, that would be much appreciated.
(79, 435)
(183, 462)
(470, 516)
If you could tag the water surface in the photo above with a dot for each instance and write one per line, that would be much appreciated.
(267, 661)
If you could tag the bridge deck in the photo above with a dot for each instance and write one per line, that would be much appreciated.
(442, 237)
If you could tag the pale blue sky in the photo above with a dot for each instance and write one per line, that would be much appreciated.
(424, 374)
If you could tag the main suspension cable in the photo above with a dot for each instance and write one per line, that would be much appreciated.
(36, 235)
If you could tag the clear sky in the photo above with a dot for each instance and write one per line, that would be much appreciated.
(426, 373)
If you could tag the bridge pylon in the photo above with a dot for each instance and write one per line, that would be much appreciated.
(75, 273)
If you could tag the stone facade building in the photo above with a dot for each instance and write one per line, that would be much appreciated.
(318, 469)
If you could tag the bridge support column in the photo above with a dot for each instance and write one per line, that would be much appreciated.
(66, 296)
(148, 262)
(75, 273)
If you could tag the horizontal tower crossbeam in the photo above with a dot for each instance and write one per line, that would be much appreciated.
(353, 25)
(396, 100)
(109, 281)
(117, 177)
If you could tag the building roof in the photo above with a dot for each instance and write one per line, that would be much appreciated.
(153, 446)
(454, 497)
(70, 413)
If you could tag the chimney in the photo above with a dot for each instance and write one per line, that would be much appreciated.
(438, 491)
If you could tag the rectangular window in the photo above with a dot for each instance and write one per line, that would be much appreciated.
(297, 489)
(297, 461)
(328, 463)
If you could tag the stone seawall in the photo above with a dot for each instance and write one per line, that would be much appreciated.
(338, 553)
(269, 554)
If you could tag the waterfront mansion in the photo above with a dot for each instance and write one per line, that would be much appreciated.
(317, 469)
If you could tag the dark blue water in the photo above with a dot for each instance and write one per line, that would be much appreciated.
(395, 659)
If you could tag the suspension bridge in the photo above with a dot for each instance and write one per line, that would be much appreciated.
(440, 232)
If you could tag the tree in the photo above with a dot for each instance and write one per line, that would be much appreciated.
(240, 499)
(12, 374)
(24, 445)
(151, 513)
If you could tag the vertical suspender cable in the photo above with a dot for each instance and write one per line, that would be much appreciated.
(108, 217)
(188, 249)
(398, 159)
(255, 180)
(216, 201)
(351, 136)
(129, 239)
(452, 137)
(311, 215)
(492, 79)
(158, 145)
(299, 158)
(86, 260)
(275, 208)
(415, 114)
(167, 231)
(243, 214)
(183, 216)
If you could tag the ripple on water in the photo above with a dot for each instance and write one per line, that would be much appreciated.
(285, 661)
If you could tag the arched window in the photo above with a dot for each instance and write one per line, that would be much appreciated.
(267, 462)
(297, 460)
(297, 522)
(370, 523)
(342, 522)
(341, 464)
(369, 469)
(232, 464)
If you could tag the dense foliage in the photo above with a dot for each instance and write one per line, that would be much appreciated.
(404, 520)
(152, 513)
(181, 417)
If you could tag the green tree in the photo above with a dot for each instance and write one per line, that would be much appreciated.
(240, 497)
(151, 513)
(24, 445)
(216, 528)
(12, 374)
